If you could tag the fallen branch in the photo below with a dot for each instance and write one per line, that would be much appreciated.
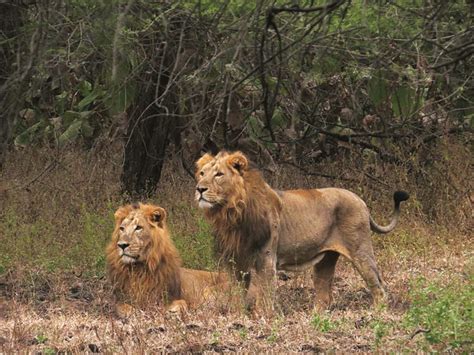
(419, 331)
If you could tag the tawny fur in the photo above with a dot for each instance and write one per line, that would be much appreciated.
(259, 230)
(157, 277)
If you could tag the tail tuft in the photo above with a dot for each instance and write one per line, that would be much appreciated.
(400, 196)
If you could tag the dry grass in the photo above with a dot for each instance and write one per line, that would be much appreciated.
(71, 313)
(54, 297)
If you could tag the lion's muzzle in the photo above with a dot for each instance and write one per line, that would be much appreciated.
(203, 202)
(123, 245)
(126, 255)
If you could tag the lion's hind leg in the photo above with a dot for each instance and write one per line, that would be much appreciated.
(323, 275)
(367, 267)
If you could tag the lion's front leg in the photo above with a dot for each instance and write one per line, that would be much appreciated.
(261, 289)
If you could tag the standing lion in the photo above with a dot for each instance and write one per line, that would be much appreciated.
(144, 266)
(259, 230)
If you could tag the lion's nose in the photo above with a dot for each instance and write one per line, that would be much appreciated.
(123, 245)
(201, 189)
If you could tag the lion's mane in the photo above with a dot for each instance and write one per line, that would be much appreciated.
(158, 276)
(242, 227)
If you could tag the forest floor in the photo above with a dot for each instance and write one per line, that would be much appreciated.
(429, 278)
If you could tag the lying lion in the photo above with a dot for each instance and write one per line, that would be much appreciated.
(259, 230)
(144, 266)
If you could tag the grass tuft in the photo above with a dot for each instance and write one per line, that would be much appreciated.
(323, 323)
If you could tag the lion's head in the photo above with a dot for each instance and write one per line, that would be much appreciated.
(141, 257)
(220, 180)
(139, 235)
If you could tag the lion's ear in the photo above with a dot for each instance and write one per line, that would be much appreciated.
(206, 158)
(238, 161)
(157, 215)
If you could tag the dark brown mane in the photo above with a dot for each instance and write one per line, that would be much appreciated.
(242, 228)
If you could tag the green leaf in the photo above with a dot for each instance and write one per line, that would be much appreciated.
(89, 99)
(71, 132)
(86, 129)
(26, 137)
(60, 102)
(377, 89)
(70, 116)
(121, 99)
(85, 87)
(403, 101)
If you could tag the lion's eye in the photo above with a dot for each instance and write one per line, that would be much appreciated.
(138, 228)
(122, 228)
(201, 173)
(219, 173)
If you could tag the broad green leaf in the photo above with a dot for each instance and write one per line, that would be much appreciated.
(85, 87)
(404, 101)
(87, 100)
(71, 116)
(60, 102)
(71, 132)
(377, 89)
(86, 129)
(121, 99)
(27, 136)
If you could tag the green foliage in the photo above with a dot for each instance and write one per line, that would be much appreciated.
(49, 351)
(29, 134)
(377, 88)
(55, 245)
(64, 82)
(371, 57)
(243, 333)
(79, 241)
(323, 323)
(380, 328)
(445, 313)
(215, 338)
(274, 332)
(197, 247)
(41, 339)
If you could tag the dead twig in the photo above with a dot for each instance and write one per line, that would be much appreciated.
(419, 331)
(50, 166)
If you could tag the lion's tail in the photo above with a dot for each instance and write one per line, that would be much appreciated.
(398, 197)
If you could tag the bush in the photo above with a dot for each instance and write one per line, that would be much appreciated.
(444, 314)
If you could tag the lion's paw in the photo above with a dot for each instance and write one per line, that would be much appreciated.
(124, 310)
(178, 307)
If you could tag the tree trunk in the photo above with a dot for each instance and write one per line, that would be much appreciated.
(150, 126)
(145, 151)
(11, 19)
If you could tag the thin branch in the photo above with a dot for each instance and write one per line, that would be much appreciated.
(455, 60)
(307, 172)
(331, 8)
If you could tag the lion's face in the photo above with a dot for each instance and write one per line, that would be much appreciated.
(220, 179)
(136, 230)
